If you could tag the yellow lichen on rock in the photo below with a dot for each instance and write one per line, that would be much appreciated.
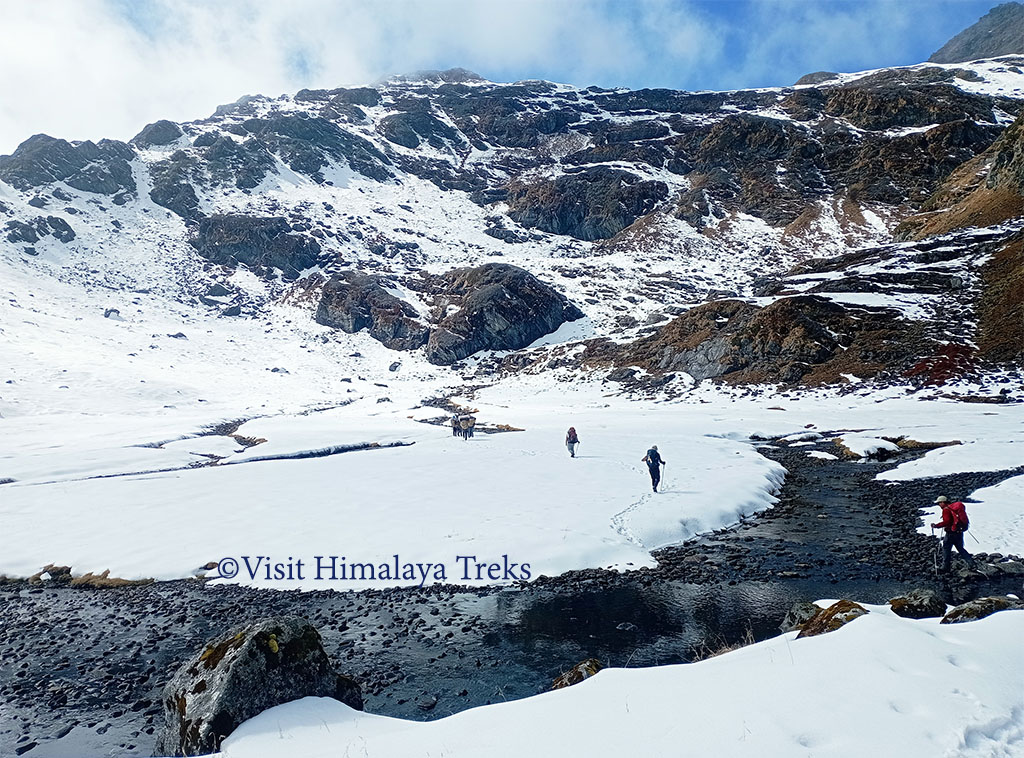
(836, 615)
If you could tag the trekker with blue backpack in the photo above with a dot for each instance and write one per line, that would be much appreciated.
(955, 522)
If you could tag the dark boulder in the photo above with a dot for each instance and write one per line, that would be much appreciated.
(918, 604)
(19, 231)
(240, 675)
(353, 302)
(259, 243)
(592, 204)
(980, 608)
(59, 228)
(101, 167)
(158, 133)
(503, 307)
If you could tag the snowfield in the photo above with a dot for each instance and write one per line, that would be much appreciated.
(881, 685)
(87, 485)
(112, 429)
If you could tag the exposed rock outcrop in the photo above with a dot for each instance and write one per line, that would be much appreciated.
(353, 302)
(590, 205)
(31, 232)
(409, 129)
(101, 167)
(242, 674)
(787, 341)
(158, 133)
(308, 145)
(983, 191)
(501, 307)
(262, 244)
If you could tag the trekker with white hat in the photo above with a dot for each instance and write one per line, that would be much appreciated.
(955, 522)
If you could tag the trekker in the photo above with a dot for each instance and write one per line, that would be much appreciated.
(654, 463)
(472, 426)
(571, 441)
(955, 522)
(455, 426)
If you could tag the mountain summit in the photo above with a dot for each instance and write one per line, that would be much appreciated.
(998, 32)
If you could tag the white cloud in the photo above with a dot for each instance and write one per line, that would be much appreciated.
(85, 69)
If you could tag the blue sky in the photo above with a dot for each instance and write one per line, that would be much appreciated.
(91, 68)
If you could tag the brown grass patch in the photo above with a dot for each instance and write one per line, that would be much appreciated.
(803, 222)
(983, 207)
(714, 649)
(247, 441)
(908, 444)
(1001, 309)
(104, 580)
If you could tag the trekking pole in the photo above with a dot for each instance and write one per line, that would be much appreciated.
(935, 555)
(974, 538)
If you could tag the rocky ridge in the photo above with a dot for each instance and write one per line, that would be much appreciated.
(998, 32)
(364, 205)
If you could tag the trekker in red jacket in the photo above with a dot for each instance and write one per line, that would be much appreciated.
(954, 521)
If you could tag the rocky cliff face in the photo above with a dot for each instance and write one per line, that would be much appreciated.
(921, 312)
(998, 32)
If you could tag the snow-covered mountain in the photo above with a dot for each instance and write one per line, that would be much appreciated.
(376, 208)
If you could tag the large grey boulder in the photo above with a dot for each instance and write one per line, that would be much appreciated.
(242, 674)
(503, 307)
(918, 604)
(353, 302)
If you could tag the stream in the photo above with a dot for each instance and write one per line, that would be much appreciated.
(84, 668)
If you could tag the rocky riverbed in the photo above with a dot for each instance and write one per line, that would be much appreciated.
(87, 666)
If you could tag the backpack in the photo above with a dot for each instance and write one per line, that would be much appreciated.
(572, 436)
(958, 513)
